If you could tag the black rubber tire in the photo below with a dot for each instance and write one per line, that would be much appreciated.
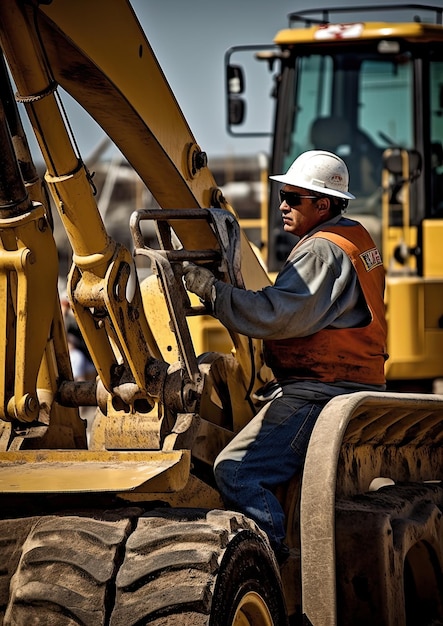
(192, 567)
(400, 525)
(67, 568)
(247, 588)
(168, 567)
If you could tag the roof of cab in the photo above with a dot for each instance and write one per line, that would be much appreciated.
(358, 31)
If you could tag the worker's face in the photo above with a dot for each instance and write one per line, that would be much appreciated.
(308, 213)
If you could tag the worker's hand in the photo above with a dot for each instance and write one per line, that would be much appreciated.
(199, 280)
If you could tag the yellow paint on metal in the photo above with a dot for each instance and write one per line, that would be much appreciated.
(370, 30)
(77, 471)
(252, 610)
(432, 237)
(414, 303)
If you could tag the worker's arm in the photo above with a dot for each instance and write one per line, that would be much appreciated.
(317, 288)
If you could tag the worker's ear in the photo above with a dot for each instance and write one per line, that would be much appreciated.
(323, 204)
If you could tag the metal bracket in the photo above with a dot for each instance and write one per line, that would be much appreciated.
(167, 264)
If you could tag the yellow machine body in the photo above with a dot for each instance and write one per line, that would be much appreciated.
(119, 521)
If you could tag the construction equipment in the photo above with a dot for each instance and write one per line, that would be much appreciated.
(372, 92)
(126, 526)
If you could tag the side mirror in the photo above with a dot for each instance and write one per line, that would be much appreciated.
(235, 80)
(248, 107)
(235, 83)
(236, 111)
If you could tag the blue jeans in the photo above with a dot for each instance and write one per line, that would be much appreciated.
(268, 452)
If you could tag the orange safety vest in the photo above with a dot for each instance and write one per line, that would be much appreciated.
(347, 354)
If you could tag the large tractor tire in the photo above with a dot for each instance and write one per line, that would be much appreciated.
(185, 567)
(166, 567)
(67, 567)
(390, 556)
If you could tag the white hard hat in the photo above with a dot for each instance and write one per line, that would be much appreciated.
(318, 170)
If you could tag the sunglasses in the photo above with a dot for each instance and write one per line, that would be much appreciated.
(292, 198)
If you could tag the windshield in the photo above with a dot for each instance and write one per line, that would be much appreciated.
(436, 131)
(356, 107)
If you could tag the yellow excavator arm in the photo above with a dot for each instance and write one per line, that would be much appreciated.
(104, 61)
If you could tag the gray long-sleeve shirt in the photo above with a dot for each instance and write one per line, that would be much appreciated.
(316, 288)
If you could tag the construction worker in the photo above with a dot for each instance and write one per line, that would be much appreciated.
(324, 333)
